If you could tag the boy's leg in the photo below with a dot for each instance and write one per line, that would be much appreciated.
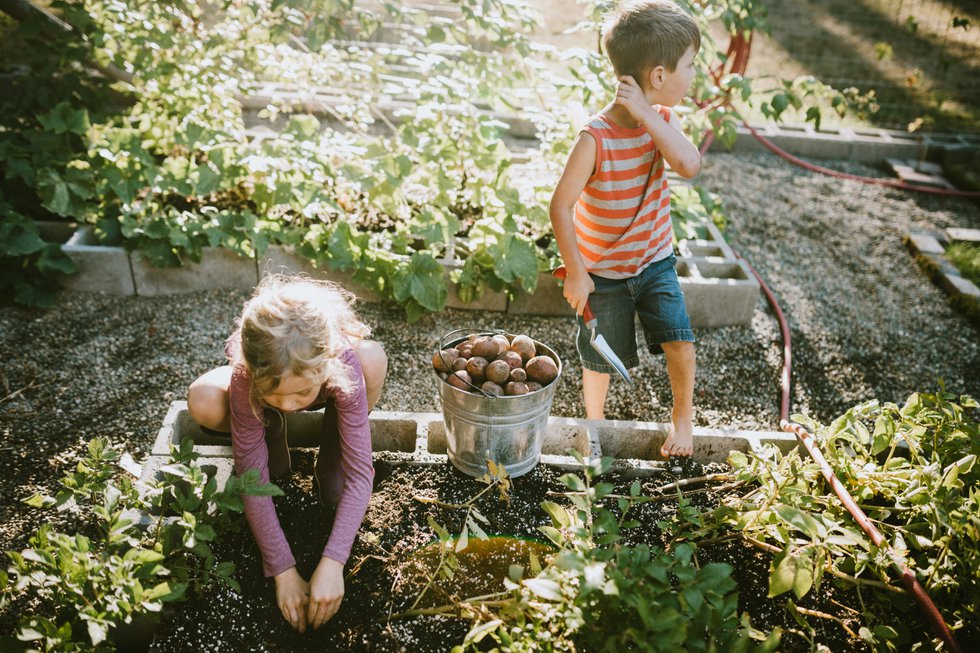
(594, 386)
(680, 371)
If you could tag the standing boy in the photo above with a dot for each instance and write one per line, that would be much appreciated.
(611, 208)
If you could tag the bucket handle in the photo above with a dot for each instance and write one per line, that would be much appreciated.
(452, 335)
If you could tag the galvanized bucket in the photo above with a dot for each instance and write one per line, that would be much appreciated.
(507, 430)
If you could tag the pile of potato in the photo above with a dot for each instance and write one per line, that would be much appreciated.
(496, 365)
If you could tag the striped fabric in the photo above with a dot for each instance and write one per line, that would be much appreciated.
(622, 219)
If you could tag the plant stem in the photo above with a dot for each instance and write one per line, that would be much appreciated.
(691, 481)
(824, 615)
(457, 506)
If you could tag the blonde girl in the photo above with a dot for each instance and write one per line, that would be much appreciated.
(299, 346)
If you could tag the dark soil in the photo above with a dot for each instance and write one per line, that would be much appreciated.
(384, 574)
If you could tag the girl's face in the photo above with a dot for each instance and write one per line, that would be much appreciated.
(293, 393)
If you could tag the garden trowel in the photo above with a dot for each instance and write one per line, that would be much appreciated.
(597, 341)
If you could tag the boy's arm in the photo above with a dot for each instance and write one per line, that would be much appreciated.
(579, 168)
(679, 152)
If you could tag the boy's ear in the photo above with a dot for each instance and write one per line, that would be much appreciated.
(656, 76)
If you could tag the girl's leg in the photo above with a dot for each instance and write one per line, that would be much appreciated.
(207, 399)
(329, 474)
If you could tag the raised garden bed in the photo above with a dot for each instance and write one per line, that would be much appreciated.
(396, 550)
(929, 250)
(719, 288)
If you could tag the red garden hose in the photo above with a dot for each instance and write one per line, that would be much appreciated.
(908, 578)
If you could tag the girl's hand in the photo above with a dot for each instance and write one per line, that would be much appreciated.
(577, 289)
(292, 596)
(326, 592)
(631, 97)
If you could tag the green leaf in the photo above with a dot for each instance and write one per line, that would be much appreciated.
(477, 633)
(800, 520)
(544, 588)
(516, 260)
(422, 280)
(557, 513)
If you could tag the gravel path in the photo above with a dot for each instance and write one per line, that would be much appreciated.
(865, 324)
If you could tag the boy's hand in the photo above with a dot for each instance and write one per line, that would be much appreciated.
(577, 289)
(292, 596)
(632, 98)
(326, 591)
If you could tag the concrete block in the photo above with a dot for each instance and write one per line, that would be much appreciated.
(100, 268)
(390, 431)
(966, 235)
(282, 259)
(219, 268)
(717, 293)
(957, 285)
(923, 243)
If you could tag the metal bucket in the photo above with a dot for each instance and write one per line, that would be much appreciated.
(507, 430)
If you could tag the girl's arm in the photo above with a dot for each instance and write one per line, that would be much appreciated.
(355, 463)
(251, 452)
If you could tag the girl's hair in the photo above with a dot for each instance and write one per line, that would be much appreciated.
(297, 325)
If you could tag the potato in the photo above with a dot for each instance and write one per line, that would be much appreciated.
(524, 346)
(533, 386)
(443, 360)
(486, 347)
(460, 380)
(492, 388)
(502, 341)
(541, 369)
(477, 368)
(515, 388)
(513, 359)
(465, 350)
(498, 371)
(459, 364)
(518, 374)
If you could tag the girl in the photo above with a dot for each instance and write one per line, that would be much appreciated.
(299, 346)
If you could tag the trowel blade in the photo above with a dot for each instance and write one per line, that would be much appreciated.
(600, 345)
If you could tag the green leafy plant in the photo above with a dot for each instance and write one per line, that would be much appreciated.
(598, 594)
(84, 585)
(913, 471)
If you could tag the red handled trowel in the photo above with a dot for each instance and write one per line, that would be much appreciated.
(597, 341)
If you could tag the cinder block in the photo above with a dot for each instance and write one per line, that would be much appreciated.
(967, 235)
(100, 268)
(219, 268)
(958, 285)
(717, 293)
(923, 243)
(390, 431)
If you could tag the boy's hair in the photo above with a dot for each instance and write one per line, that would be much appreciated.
(298, 325)
(644, 34)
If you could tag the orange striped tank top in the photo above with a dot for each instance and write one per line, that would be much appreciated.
(622, 219)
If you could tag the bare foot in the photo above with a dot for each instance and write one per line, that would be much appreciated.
(680, 440)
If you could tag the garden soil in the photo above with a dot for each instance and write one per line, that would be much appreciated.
(393, 558)
(866, 324)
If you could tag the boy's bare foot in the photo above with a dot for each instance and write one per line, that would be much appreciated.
(680, 440)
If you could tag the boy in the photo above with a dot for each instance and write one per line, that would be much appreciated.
(611, 209)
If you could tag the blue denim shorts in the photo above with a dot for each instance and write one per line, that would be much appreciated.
(654, 295)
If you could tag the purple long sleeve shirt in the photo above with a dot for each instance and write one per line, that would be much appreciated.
(251, 452)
